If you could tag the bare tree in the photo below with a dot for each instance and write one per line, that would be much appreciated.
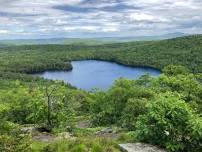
(49, 92)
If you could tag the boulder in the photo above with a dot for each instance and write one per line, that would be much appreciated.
(139, 147)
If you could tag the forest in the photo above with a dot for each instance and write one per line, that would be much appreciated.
(185, 51)
(165, 111)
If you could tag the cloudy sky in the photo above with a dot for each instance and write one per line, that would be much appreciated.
(98, 18)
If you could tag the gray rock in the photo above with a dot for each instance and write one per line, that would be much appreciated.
(44, 137)
(139, 147)
(29, 129)
(104, 131)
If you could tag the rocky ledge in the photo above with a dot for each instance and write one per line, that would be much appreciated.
(139, 147)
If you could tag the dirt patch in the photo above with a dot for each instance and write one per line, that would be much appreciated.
(44, 137)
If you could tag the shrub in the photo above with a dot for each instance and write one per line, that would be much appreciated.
(11, 138)
(111, 106)
(171, 123)
(133, 109)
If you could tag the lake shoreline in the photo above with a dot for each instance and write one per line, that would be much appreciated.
(104, 60)
(89, 74)
(123, 64)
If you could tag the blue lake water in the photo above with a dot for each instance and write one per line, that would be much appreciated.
(90, 74)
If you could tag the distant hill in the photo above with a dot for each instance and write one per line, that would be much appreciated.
(88, 41)
(149, 38)
(33, 41)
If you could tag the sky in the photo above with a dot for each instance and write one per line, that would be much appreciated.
(21, 19)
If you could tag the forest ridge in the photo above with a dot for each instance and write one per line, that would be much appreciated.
(185, 51)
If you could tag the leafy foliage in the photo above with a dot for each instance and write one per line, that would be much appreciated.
(168, 122)
(12, 140)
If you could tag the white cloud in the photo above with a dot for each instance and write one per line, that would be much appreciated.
(124, 17)
(4, 31)
(81, 28)
(141, 17)
(146, 17)
(110, 29)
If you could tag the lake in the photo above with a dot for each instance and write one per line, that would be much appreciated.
(90, 74)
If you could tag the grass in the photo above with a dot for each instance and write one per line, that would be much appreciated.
(38, 146)
(87, 144)
(84, 140)
(83, 145)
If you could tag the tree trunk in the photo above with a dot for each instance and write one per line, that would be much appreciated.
(49, 113)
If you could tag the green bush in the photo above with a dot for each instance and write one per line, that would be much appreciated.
(171, 123)
(133, 109)
(12, 140)
(114, 105)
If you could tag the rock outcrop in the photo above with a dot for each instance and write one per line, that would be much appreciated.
(139, 147)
